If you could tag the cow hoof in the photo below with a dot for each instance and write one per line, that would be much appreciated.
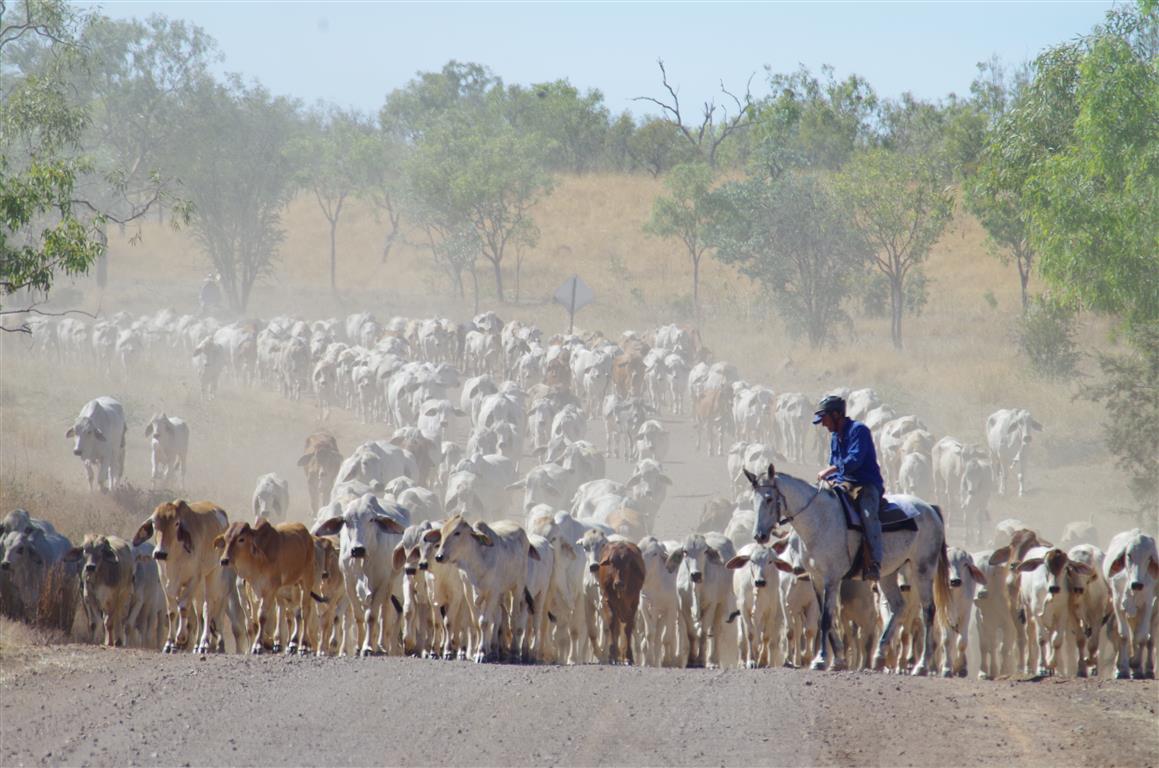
(1138, 675)
(1122, 674)
(712, 665)
(838, 666)
(167, 648)
(276, 647)
(257, 649)
(1081, 672)
(291, 649)
(750, 664)
(818, 665)
(920, 671)
(1094, 671)
(983, 676)
(947, 672)
(962, 672)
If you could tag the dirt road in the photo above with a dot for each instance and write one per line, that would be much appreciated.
(87, 706)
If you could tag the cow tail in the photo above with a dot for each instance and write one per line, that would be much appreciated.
(529, 600)
(942, 597)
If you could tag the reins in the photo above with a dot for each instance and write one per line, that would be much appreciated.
(783, 505)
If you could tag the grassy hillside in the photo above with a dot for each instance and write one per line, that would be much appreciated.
(959, 364)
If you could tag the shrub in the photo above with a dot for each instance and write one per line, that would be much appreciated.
(1045, 335)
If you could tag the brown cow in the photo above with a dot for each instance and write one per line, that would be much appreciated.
(270, 557)
(711, 414)
(621, 577)
(1021, 541)
(320, 461)
(189, 572)
(628, 372)
(107, 577)
(333, 615)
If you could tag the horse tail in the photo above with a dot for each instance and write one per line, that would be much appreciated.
(942, 596)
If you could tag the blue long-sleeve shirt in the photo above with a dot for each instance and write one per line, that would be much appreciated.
(851, 451)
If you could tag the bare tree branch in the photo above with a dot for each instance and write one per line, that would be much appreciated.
(32, 310)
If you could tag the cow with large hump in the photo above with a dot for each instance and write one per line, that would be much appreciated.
(493, 559)
(1132, 568)
(99, 440)
(1048, 579)
(198, 591)
(29, 549)
(756, 587)
(706, 594)
(1008, 434)
(368, 533)
(270, 558)
(107, 578)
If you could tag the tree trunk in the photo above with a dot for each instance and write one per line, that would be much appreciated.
(896, 299)
(696, 289)
(475, 283)
(498, 281)
(334, 256)
(1023, 259)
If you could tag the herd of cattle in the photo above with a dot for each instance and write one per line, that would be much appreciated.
(424, 545)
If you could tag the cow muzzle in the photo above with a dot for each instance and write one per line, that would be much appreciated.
(410, 570)
(424, 566)
(225, 562)
(440, 558)
(5, 566)
(594, 568)
(76, 451)
(760, 583)
(1136, 586)
(160, 554)
(1053, 589)
(955, 582)
(90, 567)
(697, 577)
(358, 552)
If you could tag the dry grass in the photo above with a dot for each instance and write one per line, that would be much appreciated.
(959, 364)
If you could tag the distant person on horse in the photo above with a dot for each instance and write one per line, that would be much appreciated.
(209, 297)
(853, 467)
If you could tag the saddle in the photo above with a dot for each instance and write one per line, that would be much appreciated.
(893, 516)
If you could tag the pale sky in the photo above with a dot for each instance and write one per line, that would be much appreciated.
(354, 53)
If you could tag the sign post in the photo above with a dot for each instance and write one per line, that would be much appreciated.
(573, 294)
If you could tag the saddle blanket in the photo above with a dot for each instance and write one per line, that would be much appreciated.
(899, 514)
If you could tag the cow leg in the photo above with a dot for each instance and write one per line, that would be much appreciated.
(894, 604)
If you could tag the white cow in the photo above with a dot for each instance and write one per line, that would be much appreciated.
(659, 605)
(99, 434)
(997, 633)
(791, 417)
(1132, 568)
(800, 605)
(965, 579)
(1008, 433)
(756, 587)
(1092, 607)
(706, 596)
(652, 441)
(271, 498)
(368, 535)
(169, 443)
(1048, 578)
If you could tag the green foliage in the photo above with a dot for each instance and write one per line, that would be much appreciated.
(807, 123)
(792, 236)
(238, 171)
(1130, 390)
(657, 146)
(1045, 336)
(574, 127)
(42, 231)
(1093, 205)
(901, 206)
(687, 213)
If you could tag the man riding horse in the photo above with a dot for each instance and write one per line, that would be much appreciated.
(853, 467)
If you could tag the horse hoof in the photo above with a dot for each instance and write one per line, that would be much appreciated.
(919, 671)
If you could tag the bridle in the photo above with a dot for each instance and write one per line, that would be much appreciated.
(780, 505)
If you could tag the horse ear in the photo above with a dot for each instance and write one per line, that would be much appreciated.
(772, 471)
(752, 478)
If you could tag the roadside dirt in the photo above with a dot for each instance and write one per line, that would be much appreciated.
(77, 705)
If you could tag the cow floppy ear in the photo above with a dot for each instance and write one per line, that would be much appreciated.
(977, 574)
(149, 429)
(737, 561)
(714, 556)
(433, 536)
(1118, 564)
(71, 432)
(783, 566)
(779, 545)
(532, 552)
(1153, 569)
(751, 477)
(1000, 556)
(1081, 569)
(109, 554)
(399, 557)
(219, 541)
(184, 536)
(1027, 565)
(674, 560)
(483, 534)
(388, 524)
(72, 555)
(329, 527)
(99, 434)
(304, 460)
(144, 532)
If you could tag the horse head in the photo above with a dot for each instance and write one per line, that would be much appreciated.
(769, 503)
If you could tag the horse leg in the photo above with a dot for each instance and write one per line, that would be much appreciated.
(828, 632)
(894, 603)
(926, 594)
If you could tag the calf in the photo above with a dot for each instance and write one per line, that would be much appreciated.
(196, 588)
(659, 605)
(1048, 576)
(800, 605)
(107, 576)
(756, 586)
(146, 619)
(621, 577)
(320, 461)
(169, 442)
(998, 634)
(271, 497)
(706, 596)
(1091, 604)
(494, 562)
(271, 557)
(965, 578)
(1132, 568)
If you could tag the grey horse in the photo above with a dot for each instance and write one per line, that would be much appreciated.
(816, 514)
